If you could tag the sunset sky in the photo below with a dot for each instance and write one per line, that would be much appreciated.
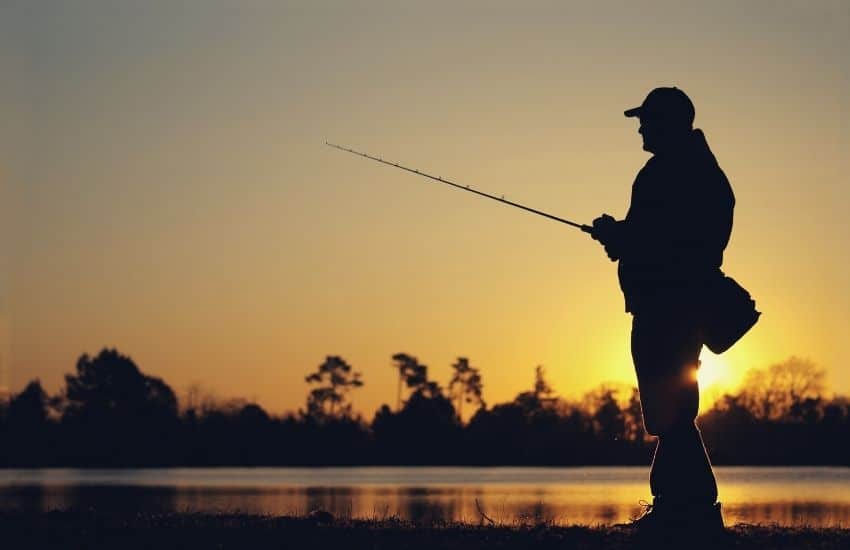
(166, 190)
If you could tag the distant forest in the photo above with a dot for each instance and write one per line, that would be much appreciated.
(110, 414)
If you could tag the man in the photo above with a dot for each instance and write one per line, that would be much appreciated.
(670, 247)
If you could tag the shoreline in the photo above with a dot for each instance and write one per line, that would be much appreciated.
(103, 529)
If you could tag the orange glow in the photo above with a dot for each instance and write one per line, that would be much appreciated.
(713, 372)
(215, 239)
(717, 375)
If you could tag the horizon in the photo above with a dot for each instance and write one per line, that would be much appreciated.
(714, 387)
(166, 189)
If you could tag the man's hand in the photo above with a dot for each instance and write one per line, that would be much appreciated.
(608, 231)
(603, 227)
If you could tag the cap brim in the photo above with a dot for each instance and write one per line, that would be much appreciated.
(632, 112)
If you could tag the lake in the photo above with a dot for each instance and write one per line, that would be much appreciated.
(796, 496)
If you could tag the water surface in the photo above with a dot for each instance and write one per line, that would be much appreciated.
(593, 495)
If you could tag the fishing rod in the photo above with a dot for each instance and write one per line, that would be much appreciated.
(502, 199)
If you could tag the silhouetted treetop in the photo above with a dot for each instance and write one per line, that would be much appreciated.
(29, 408)
(542, 389)
(333, 379)
(783, 389)
(110, 385)
(541, 397)
(466, 385)
(414, 376)
(114, 415)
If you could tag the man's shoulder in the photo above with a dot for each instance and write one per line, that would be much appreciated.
(649, 170)
(651, 163)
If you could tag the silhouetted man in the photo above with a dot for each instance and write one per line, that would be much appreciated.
(669, 247)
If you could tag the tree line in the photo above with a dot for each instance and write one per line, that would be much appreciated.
(110, 414)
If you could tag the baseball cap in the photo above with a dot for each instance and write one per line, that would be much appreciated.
(670, 104)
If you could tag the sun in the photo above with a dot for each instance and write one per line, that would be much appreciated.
(713, 371)
(714, 377)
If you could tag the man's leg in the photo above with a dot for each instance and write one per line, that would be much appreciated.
(665, 349)
(681, 471)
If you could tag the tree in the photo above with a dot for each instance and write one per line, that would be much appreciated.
(633, 415)
(608, 418)
(413, 375)
(28, 437)
(465, 385)
(542, 389)
(615, 411)
(335, 378)
(28, 409)
(111, 388)
(781, 389)
(425, 428)
(113, 414)
(540, 398)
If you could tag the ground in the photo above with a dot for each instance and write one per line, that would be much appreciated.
(95, 530)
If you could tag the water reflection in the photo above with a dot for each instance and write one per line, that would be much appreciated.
(118, 499)
(789, 496)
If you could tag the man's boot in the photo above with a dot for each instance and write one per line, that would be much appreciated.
(666, 517)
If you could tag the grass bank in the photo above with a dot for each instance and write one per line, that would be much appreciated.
(97, 530)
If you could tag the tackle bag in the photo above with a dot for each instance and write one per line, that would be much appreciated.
(728, 313)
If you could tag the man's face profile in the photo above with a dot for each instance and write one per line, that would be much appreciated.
(650, 132)
(659, 135)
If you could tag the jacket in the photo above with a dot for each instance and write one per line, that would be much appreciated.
(678, 224)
